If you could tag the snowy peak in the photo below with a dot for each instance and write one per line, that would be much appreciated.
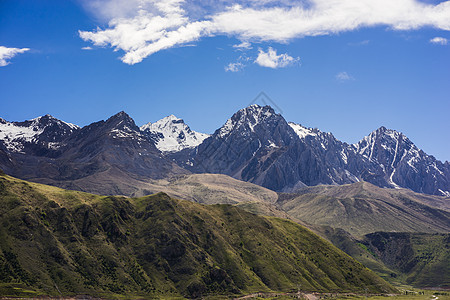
(171, 134)
(402, 163)
(389, 148)
(45, 130)
(384, 142)
(45, 122)
(166, 122)
(388, 135)
(247, 119)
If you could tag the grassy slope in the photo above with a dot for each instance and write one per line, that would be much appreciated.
(57, 242)
(363, 208)
(414, 257)
(356, 249)
(417, 259)
(423, 260)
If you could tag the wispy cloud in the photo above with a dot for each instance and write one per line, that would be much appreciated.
(87, 48)
(439, 40)
(270, 59)
(7, 53)
(239, 64)
(361, 43)
(234, 67)
(143, 27)
(344, 76)
(243, 46)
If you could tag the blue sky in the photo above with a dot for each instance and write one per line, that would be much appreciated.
(346, 67)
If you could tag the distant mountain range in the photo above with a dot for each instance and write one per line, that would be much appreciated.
(258, 145)
(255, 145)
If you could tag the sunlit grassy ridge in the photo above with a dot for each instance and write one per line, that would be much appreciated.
(58, 242)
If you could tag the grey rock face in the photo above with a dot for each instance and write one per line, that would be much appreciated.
(259, 146)
(255, 145)
(401, 164)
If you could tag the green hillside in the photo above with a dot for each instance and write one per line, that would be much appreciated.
(421, 259)
(58, 242)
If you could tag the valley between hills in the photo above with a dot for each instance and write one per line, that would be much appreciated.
(114, 210)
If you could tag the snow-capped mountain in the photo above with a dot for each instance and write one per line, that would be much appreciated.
(259, 146)
(103, 157)
(402, 164)
(115, 143)
(171, 134)
(256, 145)
(247, 119)
(43, 132)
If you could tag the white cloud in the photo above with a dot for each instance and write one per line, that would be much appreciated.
(270, 59)
(234, 67)
(7, 53)
(143, 27)
(148, 32)
(87, 48)
(439, 40)
(344, 76)
(243, 46)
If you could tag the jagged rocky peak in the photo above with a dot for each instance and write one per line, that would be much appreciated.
(402, 163)
(388, 134)
(389, 148)
(171, 134)
(54, 131)
(46, 121)
(45, 130)
(248, 118)
(122, 121)
(121, 125)
(121, 118)
(383, 141)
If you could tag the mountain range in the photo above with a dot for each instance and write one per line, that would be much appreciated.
(368, 199)
(111, 149)
(256, 145)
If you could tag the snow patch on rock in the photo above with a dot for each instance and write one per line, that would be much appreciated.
(302, 131)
